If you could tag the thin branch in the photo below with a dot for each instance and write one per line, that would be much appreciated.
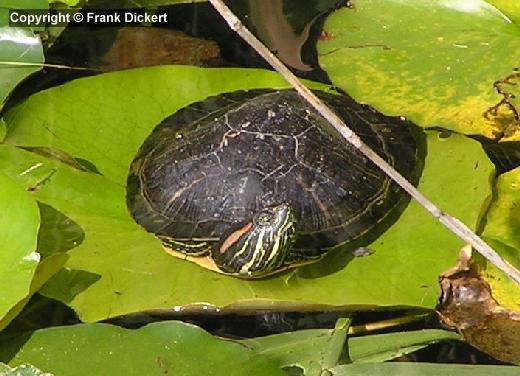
(58, 66)
(453, 224)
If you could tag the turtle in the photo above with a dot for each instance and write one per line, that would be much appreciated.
(259, 182)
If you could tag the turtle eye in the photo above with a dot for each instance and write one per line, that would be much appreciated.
(265, 219)
(271, 216)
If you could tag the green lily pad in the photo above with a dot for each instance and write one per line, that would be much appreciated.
(384, 53)
(118, 268)
(510, 8)
(70, 3)
(44, 271)
(156, 349)
(502, 231)
(19, 221)
(123, 107)
(2, 129)
(24, 4)
(17, 45)
(422, 369)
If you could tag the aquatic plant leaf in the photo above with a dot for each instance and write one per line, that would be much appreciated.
(502, 231)
(383, 347)
(510, 8)
(118, 268)
(422, 369)
(306, 349)
(17, 45)
(423, 60)
(19, 221)
(169, 347)
(111, 128)
(44, 271)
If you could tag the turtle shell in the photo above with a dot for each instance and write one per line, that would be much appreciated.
(211, 166)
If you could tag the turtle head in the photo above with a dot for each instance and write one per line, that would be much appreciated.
(258, 247)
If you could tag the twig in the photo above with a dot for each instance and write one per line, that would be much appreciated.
(59, 66)
(453, 224)
(386, 324)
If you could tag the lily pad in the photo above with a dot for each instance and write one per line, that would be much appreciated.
(118, 268)
(2, 129)
(502, 231)
(156, 349)
(422, 369)
(44, 271)
(24, 4)
(123, 107)
(17, 45)
(384, 53)
(19, 221)
(70, 3)
(510, 8)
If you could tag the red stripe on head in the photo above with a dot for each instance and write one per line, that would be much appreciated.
(234, 237)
